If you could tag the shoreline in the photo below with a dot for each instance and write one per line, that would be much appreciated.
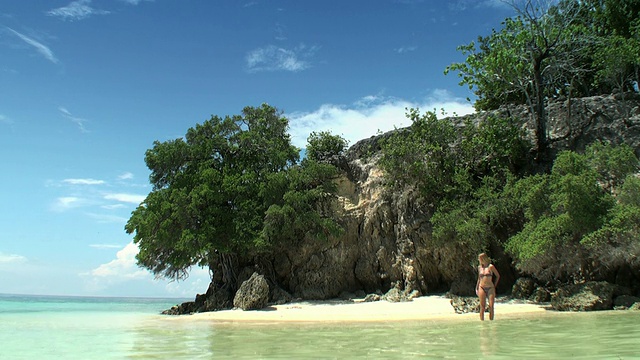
(430, 307)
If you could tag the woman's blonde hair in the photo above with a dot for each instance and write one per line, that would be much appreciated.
(484, 259)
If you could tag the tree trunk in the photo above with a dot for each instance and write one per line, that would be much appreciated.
(540, 117)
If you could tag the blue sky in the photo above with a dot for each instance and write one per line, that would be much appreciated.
(86, 86)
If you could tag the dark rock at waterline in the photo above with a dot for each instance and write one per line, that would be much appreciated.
(523, 288)
(593, 295)
(623, 302)
(465, 304)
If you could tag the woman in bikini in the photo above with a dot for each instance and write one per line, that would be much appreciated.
(485, 286)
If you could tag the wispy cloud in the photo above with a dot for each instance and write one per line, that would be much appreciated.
(78, 121)
(463, 5)
(5, 120)
(83, 181)
(280, 31)
(406, 49)
(107, 219)
(41, 48)
(125, 176)
(135, 2)
(105, 246)
(12, 258)
(127, 198)
(273, 58)
(369, 115)
(76, 10)
(65, 203)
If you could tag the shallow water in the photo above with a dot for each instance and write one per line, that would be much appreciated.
(98, 328)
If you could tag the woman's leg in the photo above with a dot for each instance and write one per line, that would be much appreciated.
(482, 295)
(492, 300)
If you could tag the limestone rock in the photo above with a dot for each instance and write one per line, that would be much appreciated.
(523, 288)
(594, 295)
(253, 294)
(465, 304)
(540, 295)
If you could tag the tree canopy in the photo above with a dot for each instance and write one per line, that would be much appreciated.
(572, 48)
(227, 187)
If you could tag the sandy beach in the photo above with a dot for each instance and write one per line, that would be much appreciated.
(422, 308)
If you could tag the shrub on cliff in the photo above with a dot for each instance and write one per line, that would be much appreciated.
(578, 214)
(460, 171)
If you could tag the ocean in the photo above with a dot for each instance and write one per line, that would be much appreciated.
(57, 327)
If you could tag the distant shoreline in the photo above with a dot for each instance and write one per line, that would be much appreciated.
(434, 307)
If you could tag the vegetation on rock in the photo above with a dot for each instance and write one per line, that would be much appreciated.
(232, 186)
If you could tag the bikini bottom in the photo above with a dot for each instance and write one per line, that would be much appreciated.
(488, 290)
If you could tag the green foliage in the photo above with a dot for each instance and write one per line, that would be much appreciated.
(459, 171)
(297, 215)
(616, 61)
(496, 67)
(570, 206)
(571, 48)
(323, 145)
(213, 190)
(421, 154)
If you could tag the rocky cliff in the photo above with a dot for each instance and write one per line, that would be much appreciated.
(384, 249)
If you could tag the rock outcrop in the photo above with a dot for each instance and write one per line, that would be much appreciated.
(253, 294)
(385, 244)
(584, 297)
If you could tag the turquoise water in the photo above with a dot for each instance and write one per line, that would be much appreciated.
(122, 328)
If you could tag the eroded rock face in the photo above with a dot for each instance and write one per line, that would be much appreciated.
(594, 295)
(386, 240)
(253, 294)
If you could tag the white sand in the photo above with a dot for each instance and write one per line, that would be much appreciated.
(422, 308)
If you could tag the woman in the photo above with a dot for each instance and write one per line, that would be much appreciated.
(485, 286)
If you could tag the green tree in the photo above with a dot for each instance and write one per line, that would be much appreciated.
(530, 59)
(573, 209)
(421, 155)
(213, 190)
(460, 171)
(323, 145)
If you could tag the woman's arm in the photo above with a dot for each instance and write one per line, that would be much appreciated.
(497, 274)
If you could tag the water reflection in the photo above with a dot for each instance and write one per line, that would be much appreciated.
(595, 336)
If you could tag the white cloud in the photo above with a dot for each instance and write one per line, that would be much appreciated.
(368, 116)
(135, 2)
(123, 267)
(273, 58)
(113, 206)
(105, 246)
(78, 121)
(67, 202)
(127, 198)
(197, 283)
(76, 10)
(41, 48)
(125, 176)
(104, 219)
(12, 259)
(83, 181)
(124, 273)
(406, 49)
